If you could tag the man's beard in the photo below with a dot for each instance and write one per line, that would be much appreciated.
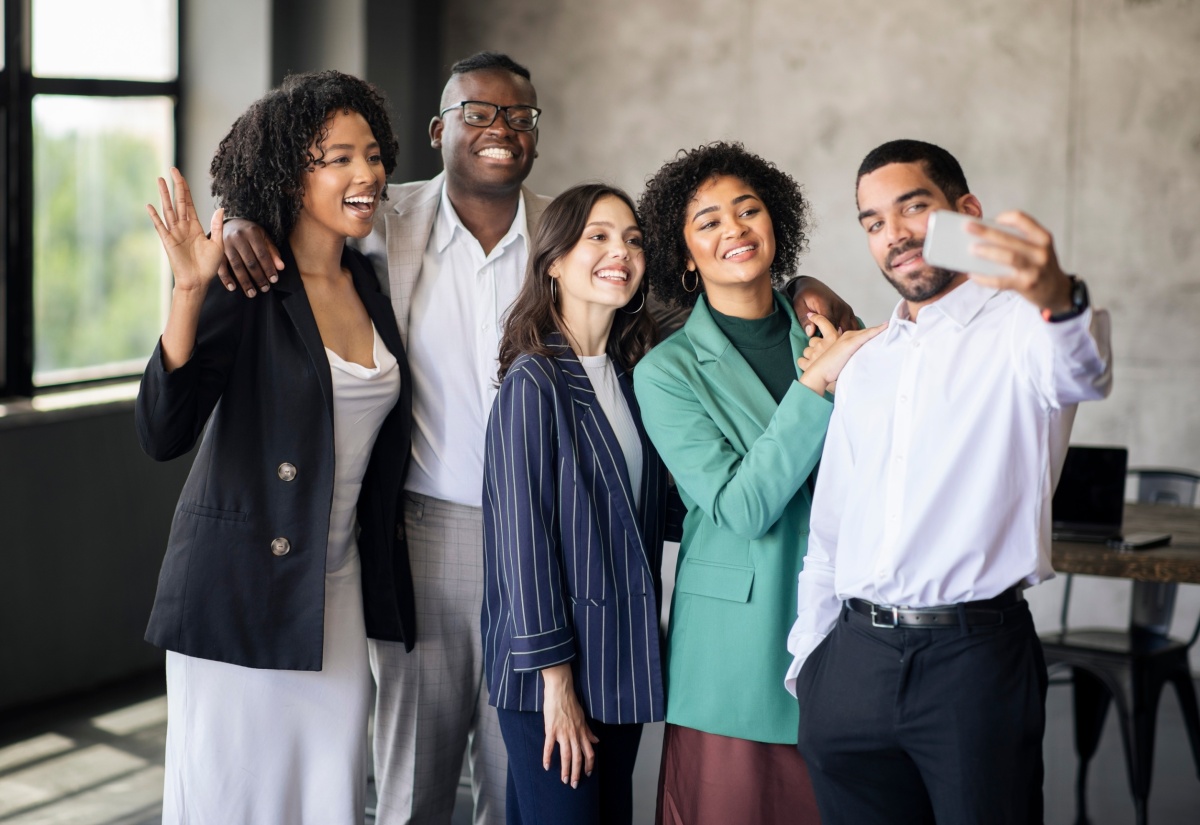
(931, 282)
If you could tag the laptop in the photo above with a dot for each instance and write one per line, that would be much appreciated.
(1090, 498)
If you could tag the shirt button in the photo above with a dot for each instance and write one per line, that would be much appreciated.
(916, 344)
(881, 574)
(899, 459)
(281, 546)
(904, 399)
(286, 471)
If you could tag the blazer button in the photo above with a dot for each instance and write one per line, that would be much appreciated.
(281, 546)
(286, 471)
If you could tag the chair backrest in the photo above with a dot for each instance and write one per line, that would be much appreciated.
(1166, 486)
(1153, 604)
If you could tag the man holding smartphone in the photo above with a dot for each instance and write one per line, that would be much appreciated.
(919, 674)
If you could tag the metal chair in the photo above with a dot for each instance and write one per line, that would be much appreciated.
(1130, 667)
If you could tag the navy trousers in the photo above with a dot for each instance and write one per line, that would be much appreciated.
(540, 797)
(933, 725)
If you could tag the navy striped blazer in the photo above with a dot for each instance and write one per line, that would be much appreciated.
(571, 567)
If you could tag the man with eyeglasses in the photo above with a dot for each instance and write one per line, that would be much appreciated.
(454, 251)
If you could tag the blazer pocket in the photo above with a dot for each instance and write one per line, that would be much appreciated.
(717, 581)
(211, 512)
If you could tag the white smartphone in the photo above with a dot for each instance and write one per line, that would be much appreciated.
(948, 244)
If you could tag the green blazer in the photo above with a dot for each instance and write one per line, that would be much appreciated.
(740, 461)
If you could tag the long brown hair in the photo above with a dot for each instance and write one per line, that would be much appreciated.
(535, 315)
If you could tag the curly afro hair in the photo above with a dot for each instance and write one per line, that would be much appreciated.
(663, 208)
(259, 167)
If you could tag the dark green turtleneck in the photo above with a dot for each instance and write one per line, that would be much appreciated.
(766, 345)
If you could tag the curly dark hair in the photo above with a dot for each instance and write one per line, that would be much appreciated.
(663, 208)
(259, 167)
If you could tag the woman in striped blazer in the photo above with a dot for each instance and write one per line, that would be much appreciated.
(573, 507)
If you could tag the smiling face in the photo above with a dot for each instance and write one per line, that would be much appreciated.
(895, 202)
(342, 190)
(604, 268)
(492, 160)
(729, 236)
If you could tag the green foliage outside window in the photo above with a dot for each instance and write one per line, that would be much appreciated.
(99, 267)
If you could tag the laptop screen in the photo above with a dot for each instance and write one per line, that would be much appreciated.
(1091, 491)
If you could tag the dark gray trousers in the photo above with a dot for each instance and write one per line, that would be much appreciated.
(939, 725)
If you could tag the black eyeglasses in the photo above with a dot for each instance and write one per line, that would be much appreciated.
(482, 115)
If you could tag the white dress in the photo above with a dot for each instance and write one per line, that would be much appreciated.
(248, 745)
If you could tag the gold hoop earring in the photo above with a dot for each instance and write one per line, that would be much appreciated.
(683, 280)
(641, 306)
(554, 291)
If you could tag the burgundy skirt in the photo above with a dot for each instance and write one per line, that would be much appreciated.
(707, 779)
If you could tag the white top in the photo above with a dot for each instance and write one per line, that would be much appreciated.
(944, 447)
(612, 401)
(363, 397)
(457, 314)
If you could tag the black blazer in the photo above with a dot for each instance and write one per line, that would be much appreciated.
(243, 580)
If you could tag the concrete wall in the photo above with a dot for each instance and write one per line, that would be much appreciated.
(1085, 114)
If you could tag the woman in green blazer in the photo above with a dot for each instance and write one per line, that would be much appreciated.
(737, 403)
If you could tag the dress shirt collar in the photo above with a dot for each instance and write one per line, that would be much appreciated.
(960, 305)
(448, 223)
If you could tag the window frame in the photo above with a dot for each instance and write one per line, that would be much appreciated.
(18, 87)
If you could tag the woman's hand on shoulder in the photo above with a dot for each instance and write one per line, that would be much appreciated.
(194, 257)
(566, 725)
(824, 357)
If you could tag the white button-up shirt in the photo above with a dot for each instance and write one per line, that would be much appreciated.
(456, 319)
(943, 451)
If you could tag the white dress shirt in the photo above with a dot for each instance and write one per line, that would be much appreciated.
(945, 444)
(457, 316)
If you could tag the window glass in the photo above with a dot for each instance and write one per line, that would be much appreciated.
(100, 277)
(108, 39)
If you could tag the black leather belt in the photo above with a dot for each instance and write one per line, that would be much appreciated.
(978, 613)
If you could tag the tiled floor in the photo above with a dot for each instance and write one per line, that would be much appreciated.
(97, 760)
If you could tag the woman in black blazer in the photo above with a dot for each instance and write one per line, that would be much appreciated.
(573, 510)
(284, 553)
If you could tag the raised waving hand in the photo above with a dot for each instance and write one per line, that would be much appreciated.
(194, 260)
(194, 257)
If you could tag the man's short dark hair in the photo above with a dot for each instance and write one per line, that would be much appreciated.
(940, 165)
(483, 61)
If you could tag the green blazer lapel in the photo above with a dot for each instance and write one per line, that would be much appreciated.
(798, 338)
(727, 371)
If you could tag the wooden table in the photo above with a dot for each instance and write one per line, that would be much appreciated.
(1156, 573)
(1178, 562)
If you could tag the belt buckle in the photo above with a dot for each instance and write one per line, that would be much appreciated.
(892, 612)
